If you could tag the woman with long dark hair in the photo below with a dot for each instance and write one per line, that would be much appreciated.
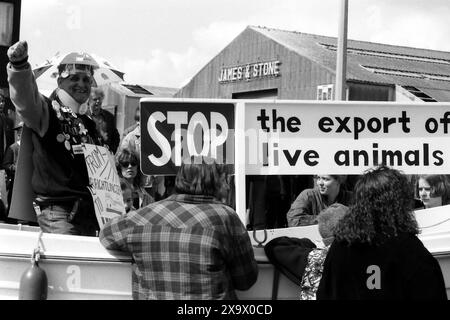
(376, 253)
(127, 164)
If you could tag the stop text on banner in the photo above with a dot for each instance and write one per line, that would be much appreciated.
(175, 130)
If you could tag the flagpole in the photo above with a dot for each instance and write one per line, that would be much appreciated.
(341, 62)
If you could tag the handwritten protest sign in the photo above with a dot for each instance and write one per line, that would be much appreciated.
(104, 183)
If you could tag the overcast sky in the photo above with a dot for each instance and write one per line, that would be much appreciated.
(165, 43)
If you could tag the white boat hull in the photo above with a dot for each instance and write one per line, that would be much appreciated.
(76, 267)
(80, 268)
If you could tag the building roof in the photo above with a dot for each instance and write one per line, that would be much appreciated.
(427, 70)
(135, 90)
(161, 91)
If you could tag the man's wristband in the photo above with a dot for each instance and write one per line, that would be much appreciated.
(19, 63)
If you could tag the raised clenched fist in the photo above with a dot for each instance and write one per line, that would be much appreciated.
(18, 52)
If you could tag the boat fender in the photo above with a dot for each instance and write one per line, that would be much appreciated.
(33, 283)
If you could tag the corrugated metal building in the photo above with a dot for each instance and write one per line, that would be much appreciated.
(270, 63)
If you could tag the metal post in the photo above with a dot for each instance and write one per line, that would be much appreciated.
(341, 62)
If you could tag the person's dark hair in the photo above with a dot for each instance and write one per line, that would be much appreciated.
(383, 208)
(439, 184)
(200, 175)
(124, 155)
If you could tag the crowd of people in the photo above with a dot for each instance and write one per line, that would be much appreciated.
(371, 250)
(186, 242)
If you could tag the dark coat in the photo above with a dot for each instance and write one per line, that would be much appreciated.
(400, 268)
(290, 256)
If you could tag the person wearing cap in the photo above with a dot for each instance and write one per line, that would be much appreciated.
(376, 254)
(58, 126)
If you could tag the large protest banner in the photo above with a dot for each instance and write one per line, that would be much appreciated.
(274, 137)
(302, 137)
(104, 183)
(172, 130)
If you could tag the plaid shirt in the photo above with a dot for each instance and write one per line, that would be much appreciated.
(184, 247)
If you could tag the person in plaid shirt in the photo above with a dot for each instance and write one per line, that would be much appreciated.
(189, 245)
